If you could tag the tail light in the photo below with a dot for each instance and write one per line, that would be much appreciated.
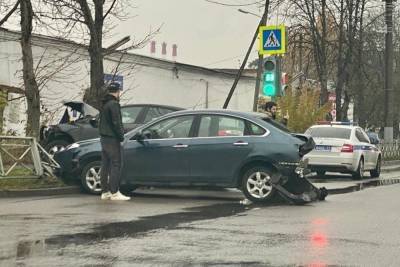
(347, 148)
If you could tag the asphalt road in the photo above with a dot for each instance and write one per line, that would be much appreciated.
(198, 228)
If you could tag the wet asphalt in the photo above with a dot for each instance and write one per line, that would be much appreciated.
(202, 228)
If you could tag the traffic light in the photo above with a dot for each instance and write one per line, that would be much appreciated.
(271, 77)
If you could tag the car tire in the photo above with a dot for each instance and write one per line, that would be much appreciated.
(256, 184)
(56, 145)
(375, 173)
(90, 177)
(320, 174)
(359, 173)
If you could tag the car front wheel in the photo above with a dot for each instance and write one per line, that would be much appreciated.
(90, 177)
(256, 184)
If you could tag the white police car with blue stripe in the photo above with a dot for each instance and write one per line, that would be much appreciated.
(345, 148)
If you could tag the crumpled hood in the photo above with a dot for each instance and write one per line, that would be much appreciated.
(82, 107)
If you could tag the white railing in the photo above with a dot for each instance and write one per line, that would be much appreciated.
(23, 157)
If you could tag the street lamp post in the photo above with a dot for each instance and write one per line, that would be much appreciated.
(388, 129)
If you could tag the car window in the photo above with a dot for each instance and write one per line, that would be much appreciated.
(360, 136)
(329, 132)
(215, 125)
(177, 127)
(256, 130)
(129, 114)
(155, 112)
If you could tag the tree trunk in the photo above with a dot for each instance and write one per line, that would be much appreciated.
(95, 92)
(94, 95)
(31, 87)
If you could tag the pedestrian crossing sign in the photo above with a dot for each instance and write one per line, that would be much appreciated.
(272, 40)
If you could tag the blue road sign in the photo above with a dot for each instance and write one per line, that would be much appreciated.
(108, 78)
(272, 40)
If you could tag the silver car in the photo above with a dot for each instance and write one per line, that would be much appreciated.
(345, 149)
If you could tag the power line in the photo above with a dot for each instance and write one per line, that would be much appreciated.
(234, 5)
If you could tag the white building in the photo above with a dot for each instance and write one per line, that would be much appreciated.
(62, 71)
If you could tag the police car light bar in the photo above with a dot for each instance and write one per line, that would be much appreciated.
(337, 123)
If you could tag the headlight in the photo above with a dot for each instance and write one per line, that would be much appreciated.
(71, 146)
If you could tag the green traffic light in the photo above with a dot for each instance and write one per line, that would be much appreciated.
(269, 89)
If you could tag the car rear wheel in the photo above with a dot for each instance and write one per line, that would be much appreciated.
(359, 173)
(90, 177)
(375, 173)
(256, 184)
(56, 145)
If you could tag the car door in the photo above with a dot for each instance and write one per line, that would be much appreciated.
(366, 148)
(219, 147)
(163, 155)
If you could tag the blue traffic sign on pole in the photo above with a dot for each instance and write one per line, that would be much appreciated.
(108, 78)
(272, 40)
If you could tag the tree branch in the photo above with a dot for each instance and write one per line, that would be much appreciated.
(10, 13)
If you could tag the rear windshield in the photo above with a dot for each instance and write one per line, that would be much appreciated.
(329, 132)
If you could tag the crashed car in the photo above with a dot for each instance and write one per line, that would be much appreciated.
(80, 122)
(203, 148)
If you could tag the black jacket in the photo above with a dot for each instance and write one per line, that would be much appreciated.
(110, 124)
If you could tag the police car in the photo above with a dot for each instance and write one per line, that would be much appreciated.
(343, 147)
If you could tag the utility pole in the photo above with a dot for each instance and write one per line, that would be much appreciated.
(260, 61)
(239, 74)
(206, 94)
(388, 129)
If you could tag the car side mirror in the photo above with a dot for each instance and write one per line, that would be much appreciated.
(138, 136)
(94, 123)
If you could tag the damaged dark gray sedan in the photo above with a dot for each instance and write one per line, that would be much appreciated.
(204, 148)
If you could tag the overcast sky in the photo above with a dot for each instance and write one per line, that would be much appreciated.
(207, 34)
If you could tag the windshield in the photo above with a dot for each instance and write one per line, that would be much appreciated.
(329, 132)
(276, 124)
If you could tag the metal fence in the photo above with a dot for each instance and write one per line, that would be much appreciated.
(390, 151)
(23, 157)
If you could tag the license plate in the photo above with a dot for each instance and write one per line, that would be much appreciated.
(323, 148)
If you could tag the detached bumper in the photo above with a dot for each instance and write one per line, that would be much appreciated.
(297, 188)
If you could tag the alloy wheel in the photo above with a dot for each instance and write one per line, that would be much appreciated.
(93, 179)
(258, 185)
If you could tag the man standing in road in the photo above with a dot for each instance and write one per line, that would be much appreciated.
(111, 135)
(270, 109)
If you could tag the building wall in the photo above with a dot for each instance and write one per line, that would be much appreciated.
(63, 74)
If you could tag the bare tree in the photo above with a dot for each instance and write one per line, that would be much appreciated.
(31, 87)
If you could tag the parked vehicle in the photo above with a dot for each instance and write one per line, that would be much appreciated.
(204, 148)
(341, 147)
(57, 137)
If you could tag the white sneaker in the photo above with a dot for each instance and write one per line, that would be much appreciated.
(106, 195)
(119, 196)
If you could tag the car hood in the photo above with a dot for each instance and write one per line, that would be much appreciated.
(82, 107)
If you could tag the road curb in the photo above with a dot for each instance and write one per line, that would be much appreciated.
(41, 192)
(390, 168)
